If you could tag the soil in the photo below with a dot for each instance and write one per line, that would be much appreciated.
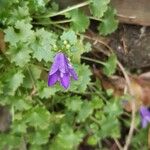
(131, 43)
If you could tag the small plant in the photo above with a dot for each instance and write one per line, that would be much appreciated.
(44, 117)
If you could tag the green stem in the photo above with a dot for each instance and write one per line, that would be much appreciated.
(41, 67)
(52, 22)
(60, 27)
(95, 120)
(31, 76)
(61, 21)
(94, 18)
(66, 10)
(93, 60)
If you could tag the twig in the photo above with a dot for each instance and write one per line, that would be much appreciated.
(118, 144)
(128, 139)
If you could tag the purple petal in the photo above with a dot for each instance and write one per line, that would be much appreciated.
(73, 74)
(55, 65)
(144, 123)
(52, 79)
(63, 63)
(145, 116)
(144, 111)
(65, 80)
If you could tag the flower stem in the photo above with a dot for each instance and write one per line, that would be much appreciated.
(93, 60)
(65, 10)
(94, 18)
(61, 21)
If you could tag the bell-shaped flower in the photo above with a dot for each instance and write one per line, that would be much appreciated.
(61, 71)
(145, 116)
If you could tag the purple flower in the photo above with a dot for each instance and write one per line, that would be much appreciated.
(61, 71)
(145, 116)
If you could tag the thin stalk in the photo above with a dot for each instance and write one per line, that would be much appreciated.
(52, 22)
(61, 21)
(118, 144)
(31, 76)
(93, 60)
(94, 18)
(95, 120)
(66, 10)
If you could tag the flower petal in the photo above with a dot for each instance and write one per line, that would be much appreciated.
(55, 65)
(144, 111)
(65, 80)
(52, 79)
(144, 123)
(63, 63)
(73, 74)
(145, 116)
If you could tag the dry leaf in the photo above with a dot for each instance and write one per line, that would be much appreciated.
(139, 84)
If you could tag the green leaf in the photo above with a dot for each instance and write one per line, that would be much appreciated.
(38, 117)
(35, 147)
(97, 103)
(38, 137)
(85, 112)
(80, 22)
(37, 6)
(20, 33)
(20, 55)
(44, 91)
(83, 79)
(14, 80)
(19, 13)
(18, 126)
(67, 139)
(74, 104)
(113, 108)
(99, 7)
(78, 49)
(111, 65)
(139, 141)
(21, 103)
(87, 47)
(110, 127)
(69, 36)
(32, 73)
(1, 87)
(93, 140)
(109, 23)
(42, 46)
(10, 141)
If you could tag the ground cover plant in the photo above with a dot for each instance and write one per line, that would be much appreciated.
(50, 98)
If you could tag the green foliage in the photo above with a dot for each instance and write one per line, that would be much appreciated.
(13, 81)
(139, 141)
(19, 55)
(45, 117)
(69, 36)
(99, 7)
(20, 32)
(67, 139)
(79, 21)
(43, 44)
(109, 22)
(110, 65)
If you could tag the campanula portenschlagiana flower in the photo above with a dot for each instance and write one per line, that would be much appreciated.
(145, 116)
(61, 71)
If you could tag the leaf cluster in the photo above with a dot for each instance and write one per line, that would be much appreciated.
(45, 117)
